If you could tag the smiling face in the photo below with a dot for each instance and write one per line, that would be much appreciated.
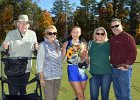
(51, 35)
(75, 33)
(22, 26)
(100, 36)
(116, 27)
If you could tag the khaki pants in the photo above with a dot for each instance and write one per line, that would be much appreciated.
(51, 89)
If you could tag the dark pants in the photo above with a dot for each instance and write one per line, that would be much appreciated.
(17, 84)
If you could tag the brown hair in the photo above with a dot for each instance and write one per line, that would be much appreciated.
(116, 19)
(76, 27)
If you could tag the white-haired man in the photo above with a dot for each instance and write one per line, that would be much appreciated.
(20, 43)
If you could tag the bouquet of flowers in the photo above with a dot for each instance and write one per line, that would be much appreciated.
(76, 53)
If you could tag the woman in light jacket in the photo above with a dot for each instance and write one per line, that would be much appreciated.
(49, 64)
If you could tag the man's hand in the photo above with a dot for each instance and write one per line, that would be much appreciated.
(123, 67)
(36, 46)
(6, 46)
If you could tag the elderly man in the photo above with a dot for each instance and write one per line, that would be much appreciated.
(123, 55)
(21, 42)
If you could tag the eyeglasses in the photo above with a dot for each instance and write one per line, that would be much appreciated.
(102, 34)
(52, 33)
(23, 23)
(115, 26)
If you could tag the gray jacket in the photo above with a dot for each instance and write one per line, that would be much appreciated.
(49, 61)
(21, 47)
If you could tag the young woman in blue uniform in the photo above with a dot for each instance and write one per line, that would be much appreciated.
(76, 52)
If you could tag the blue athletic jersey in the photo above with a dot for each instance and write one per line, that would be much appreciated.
(75, 74)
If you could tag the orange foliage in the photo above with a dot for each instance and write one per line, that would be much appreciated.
(7, 14)
(45, 19)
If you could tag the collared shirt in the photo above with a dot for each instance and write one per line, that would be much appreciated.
(21, 46)
(123, 49)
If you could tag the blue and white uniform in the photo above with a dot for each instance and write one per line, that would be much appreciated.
(75, 74)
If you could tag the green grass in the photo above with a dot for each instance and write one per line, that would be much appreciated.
(138, 46)
(66, 92)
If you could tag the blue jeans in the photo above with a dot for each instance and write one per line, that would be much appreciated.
(121, 83)
(97, 81)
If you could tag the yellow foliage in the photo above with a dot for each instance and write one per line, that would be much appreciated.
(45, 19)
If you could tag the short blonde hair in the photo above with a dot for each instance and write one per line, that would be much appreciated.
(49, 28)
(97, 29)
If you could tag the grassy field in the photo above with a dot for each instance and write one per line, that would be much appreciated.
(138, 46)
(66, 92)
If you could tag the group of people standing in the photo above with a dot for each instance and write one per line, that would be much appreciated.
(107, 60)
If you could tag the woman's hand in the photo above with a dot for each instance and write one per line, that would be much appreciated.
(41, 78)
(42, 82)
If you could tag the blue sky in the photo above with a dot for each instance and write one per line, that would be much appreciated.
(48, 4)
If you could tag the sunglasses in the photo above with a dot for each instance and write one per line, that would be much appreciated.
(102, 34)
(115, 26)
(52, 33)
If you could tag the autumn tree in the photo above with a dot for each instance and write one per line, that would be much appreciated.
(44, 21)
(11, 9)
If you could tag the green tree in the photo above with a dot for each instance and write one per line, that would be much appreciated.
(85, 17)
(134, 12)
(62, 11)
(105, 10)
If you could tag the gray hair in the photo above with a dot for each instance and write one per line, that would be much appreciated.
(97, 29)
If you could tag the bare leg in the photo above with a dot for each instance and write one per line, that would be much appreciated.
(78, 88)
(83, 83)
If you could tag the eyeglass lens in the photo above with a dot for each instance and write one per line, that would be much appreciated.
(115, 26)
(102, 34)
(52, 33)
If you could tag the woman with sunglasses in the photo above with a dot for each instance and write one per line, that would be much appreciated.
(49, 64)
(100, 68)
(76, 53)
